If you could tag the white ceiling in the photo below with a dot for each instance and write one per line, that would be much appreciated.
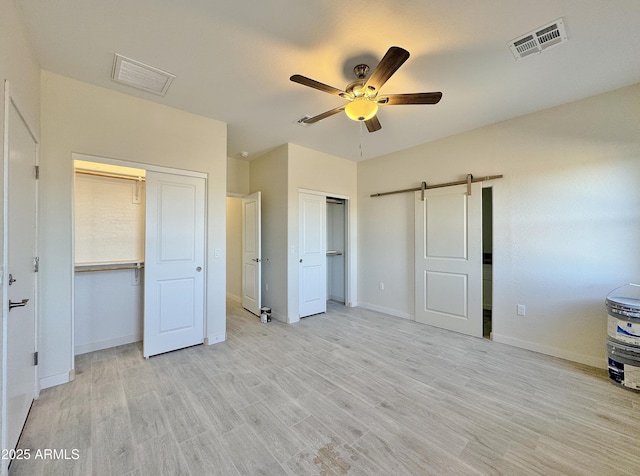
(233, 59)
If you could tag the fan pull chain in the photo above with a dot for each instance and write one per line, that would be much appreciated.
(360, 138)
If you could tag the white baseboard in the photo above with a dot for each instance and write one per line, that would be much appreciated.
(107, 344)
(598, 362)
(54, 380)
(391, 312)
(215, 339)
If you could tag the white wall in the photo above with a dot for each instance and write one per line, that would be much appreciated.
(238, 176)
(78, 117)
(566, 219)
(313, 170)
(108, 309)
(234, 248)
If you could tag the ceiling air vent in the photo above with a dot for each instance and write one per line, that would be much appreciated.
(140, 75)
(539, 40)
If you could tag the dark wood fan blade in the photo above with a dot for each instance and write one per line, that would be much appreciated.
(389, 64)
(312, 83)
(410, 98)
(373, 124)
(324, 115)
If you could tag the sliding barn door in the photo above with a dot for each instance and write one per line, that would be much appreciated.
(174, 262)
(448, 241)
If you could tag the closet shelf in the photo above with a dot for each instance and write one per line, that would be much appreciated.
(334, 253)
(115, 266)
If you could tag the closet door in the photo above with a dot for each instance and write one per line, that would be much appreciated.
(174, 262)
(313, 254)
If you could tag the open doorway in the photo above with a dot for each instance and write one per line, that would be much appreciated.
(487, 261)
(109, 225)
(336, 249)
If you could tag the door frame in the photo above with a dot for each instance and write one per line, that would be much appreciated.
(11, 99)
(147, 167)
(348, 257)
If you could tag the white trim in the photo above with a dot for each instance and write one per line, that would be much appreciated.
(137, 165)
(57, 379)
(386, 310)
(5, 288)
(106, 344)
(598, 362)
(236, 195)
(324, 194)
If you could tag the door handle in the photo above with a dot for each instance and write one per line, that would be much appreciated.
(257, 260)
(199, 268)
(17, 304)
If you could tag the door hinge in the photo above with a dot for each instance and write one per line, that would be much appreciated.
(35, 358)
(36, 264)
(37, 168)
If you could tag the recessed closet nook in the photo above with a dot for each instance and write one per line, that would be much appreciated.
(109, 217)
(336, 246)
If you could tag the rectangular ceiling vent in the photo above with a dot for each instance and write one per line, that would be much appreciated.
(539, 40)
(140, 75)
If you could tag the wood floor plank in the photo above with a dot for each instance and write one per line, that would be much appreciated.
(349, 392)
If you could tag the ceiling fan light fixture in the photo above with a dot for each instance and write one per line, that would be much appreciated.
(361, 109)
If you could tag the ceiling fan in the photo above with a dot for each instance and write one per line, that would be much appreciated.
(362, 93)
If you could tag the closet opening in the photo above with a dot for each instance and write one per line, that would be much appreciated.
(487, 261)
(336, 249)
(109, 244)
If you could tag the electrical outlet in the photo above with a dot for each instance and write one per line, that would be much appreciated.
(266, 287)
(381, 286)
(522, 310)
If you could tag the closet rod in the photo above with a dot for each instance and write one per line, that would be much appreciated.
(84, 268)
(440, 185)
(135, 178)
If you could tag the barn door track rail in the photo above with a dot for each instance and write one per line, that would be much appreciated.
(468, 181)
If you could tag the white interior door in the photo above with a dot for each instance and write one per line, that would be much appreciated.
(19, 388)
(174, 262)
(313, 254)
(448, 241)
(251, 250)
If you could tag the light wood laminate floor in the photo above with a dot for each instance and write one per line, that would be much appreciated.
(350, 392)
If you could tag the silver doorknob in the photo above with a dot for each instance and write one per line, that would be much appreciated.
(199, 268)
